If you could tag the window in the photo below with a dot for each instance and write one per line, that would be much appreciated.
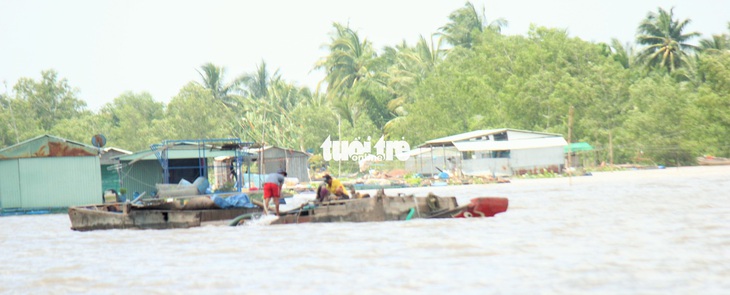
(500, 136)
(500, 154)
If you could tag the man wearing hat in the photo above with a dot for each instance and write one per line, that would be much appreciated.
(272, 189)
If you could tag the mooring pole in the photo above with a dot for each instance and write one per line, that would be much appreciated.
(570, 148)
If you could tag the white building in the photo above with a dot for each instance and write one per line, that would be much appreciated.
(495, 152)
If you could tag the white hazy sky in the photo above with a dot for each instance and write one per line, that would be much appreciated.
(105, 48)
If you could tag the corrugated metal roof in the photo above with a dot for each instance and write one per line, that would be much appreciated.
(449, 140)
(47, 146)
(490, 145)
(112, 149)
(463, 136)
(267, 148)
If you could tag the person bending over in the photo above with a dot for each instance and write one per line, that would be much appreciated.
(335, 187)
(272, 189)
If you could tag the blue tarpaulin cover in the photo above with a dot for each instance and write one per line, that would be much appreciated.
(235, 201)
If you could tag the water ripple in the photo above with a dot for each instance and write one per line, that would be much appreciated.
(634, 232)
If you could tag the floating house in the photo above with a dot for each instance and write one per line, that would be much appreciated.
(48, 172)
(578, 153)
(173, 161)
(495, 152)
(110, 167)
(296, 163)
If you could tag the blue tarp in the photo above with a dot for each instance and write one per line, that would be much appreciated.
(235, 201)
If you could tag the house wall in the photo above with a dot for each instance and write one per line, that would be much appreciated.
(10, 184)
(49, 182)
(427, 162)
(487, 167)
(109, 178)
(534, 160)
(519, 162)
(298, 166)
(141, 177)
(295, 163)
(106, 158)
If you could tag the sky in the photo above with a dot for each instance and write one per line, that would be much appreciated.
(105, 48)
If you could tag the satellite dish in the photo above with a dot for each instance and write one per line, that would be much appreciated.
(98, 140)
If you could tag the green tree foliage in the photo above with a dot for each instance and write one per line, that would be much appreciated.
(518, 82)
(315, 120)
(713, 102)
(131, 120)
(667, 113)
(662, 126)
(194, 114)
(404, 68)
(49, 100)
(80, 128)
(267, 109)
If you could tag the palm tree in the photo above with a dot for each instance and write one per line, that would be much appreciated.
(665, 40)
(716, 44)
(212, 76)
(256, 85)
(410, 65)
(349, 61)
(465, 22)
(624, 54)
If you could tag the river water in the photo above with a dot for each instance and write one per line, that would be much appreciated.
(632, 232)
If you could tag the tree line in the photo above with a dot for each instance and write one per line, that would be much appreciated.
(661, 99)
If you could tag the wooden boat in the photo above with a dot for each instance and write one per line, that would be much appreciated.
(160, 214)
(711, 161)
(387, 208)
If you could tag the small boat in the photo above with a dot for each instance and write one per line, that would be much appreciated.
(153, 214)
(711, 161)
(386, 208)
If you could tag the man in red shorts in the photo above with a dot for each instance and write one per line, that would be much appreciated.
(272, 189)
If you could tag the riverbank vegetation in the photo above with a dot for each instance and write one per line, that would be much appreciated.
(664, 97)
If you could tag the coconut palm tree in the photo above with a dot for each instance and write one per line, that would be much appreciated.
(256, 85)
(349, 61)
(465, 22)
(213, 76)
(409, 66)
(716, 44)
(665, 40)
(624, 54)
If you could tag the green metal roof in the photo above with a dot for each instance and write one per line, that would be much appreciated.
(578, 147)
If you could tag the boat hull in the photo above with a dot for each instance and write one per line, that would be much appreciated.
(395, 208)
(712, 161)
(120, 216)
